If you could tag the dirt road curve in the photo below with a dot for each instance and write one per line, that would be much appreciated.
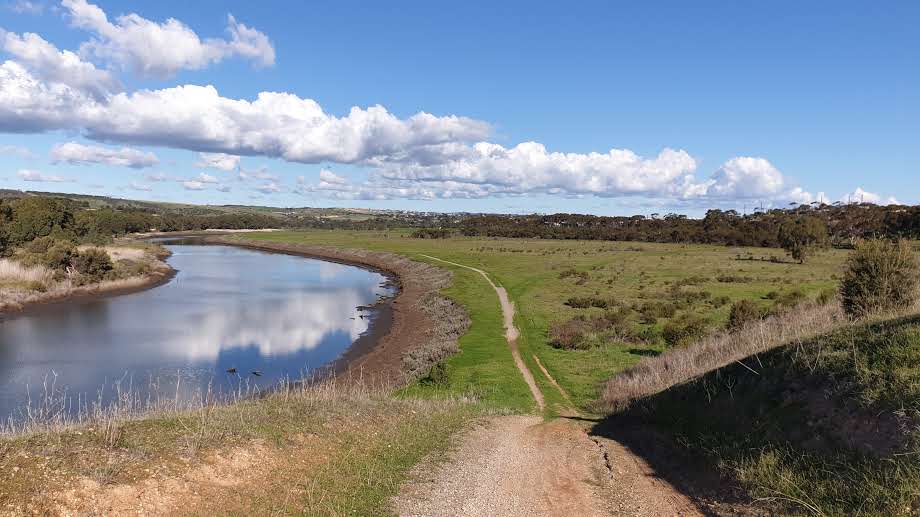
(523, 465)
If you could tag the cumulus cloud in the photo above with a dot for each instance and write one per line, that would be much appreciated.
(193, 185)
(224, 188)
(153, 49)
(197, 118)
(135, 185)
(206, 178)
(62, 66)
(219, 161)
(78, 154)
(530, 168)
(746, 177)
(33, 175)
(863, 196)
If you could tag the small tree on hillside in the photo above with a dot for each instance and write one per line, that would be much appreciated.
(803, 236)
(879, 275)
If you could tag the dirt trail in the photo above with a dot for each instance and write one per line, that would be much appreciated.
(523, 465)
(511, 332)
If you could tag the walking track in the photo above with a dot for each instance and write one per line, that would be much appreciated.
(523, 465)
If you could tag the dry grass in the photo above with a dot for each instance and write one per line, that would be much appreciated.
(328, 448)
(23, 285)
(14, 272)
(681, 364)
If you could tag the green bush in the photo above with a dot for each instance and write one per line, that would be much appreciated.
(94, 264)
(880, 275)
(743, 312)
(651, 311)
(685, 329)
(49, 252)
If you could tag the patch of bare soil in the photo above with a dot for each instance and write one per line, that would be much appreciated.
(520, 465)
(167, 493)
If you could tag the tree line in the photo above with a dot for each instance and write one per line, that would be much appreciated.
(25, 219)
(839, 225)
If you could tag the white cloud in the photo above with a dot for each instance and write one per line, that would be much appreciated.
(206, 178)
(862, 196)
(61, 66)
(746, 177)
(224, 188)
(330, 177)
(156, 176)
(26, 7)
(219, 161)
(269, 188)
(197, 118)
(135, 185)
(78, 154)
(32, 175)
(193, 185)
(17, 151)
(530, 168)
(153, 49)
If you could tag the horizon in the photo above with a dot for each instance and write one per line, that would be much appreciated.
(595, 109)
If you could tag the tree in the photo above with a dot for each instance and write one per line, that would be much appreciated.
(803, 236)
(879, 275)
(37, 217)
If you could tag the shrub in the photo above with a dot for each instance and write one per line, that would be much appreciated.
(743, 312)
(568, 335)
(93, 263)
(577, 302)
(438, 376)
(685, 330)
(880, 275)
(720, 301)
(651, 311)
(432, 233)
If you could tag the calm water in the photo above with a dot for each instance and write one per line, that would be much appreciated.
(227, 307)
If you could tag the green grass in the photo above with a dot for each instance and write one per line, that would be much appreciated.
(621, 271)
(817, 428)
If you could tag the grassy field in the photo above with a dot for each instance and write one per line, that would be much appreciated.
(542, 275)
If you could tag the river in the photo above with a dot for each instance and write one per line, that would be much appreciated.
(231, 320)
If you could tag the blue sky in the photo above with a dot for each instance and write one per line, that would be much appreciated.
(706, 104)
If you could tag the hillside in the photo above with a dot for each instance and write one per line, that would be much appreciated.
(825, 427)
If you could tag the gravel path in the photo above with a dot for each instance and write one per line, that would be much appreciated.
(525, 466)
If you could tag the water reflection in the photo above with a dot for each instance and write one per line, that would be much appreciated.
(227, 308)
